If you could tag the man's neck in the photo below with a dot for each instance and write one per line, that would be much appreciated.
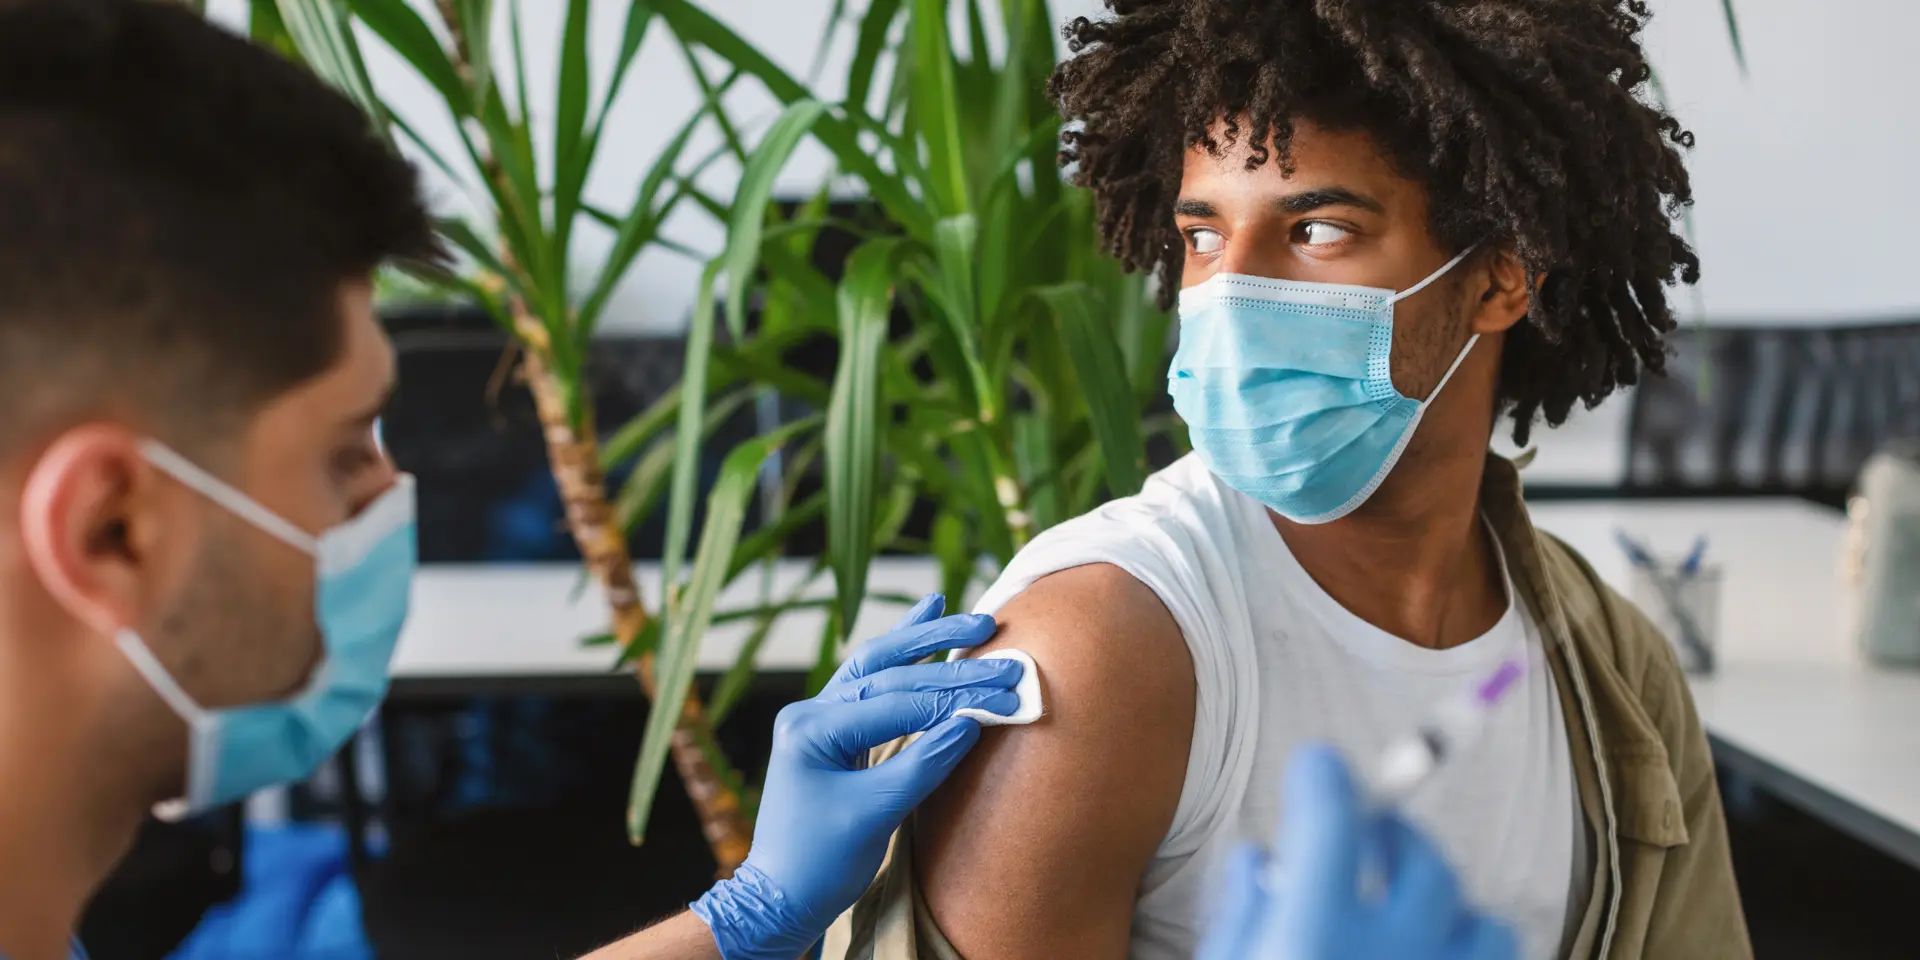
(1414, 560)
(71, 807)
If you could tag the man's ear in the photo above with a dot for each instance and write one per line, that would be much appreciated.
(93, 519)
(1506, 293)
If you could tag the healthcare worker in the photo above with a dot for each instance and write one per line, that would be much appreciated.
(205, 556)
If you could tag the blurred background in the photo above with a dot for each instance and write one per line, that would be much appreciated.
(710, 236)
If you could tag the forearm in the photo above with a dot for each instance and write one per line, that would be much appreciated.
(682, 937)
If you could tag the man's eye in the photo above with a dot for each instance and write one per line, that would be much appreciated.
(1315, 233)
(354, 459)
(1205, 242)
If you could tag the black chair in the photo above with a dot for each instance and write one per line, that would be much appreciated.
(1773, 411)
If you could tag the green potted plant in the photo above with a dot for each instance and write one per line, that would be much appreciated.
(516, 261)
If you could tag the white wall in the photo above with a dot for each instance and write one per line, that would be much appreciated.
(1807, 202)
(1804, 176)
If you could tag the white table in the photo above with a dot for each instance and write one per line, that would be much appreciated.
(502, 624)
(1793, 705)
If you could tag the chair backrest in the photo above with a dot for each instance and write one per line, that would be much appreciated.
(1773, 410)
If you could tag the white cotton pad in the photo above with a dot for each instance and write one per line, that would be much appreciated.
(1028, 690)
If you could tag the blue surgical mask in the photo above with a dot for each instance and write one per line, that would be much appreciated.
(1286, 389)
(364, 573)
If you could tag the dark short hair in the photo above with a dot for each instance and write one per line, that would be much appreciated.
(1529, 123)
(179, 210)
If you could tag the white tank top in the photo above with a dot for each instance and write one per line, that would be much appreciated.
(1278, 662)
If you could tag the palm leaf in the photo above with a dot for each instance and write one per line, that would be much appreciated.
(750, 204)
(866, 54)
(1733, 34)
(1033, 453)
(853, 421)
(641, 491)
(687, 622)
(686, 442)
(639, 18)
(401, 28)
(955, 242)
(1102, 375)
(640, 225)
(476, 24)
(936, 104)
(950, 548)
(573, 141)
(266, 28)
(320, 31)
(739, 677)
(837, 135)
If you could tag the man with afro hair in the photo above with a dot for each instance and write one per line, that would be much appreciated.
(1385, 224)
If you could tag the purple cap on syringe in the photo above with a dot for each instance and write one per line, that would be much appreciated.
(1457, 721)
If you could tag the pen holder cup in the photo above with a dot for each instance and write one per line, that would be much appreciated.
(1695, 596)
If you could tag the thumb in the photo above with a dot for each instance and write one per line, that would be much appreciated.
(926, 611)
(1322, 830)
(915, 772)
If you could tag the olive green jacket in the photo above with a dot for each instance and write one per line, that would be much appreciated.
(1662, 881)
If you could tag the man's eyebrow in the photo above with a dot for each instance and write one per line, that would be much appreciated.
(1307, 201)
(1188, 207)
(370, 414)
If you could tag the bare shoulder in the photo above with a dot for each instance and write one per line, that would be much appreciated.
(1036, 846)
(1096, 623)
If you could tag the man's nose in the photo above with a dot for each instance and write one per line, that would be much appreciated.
(1257, 252)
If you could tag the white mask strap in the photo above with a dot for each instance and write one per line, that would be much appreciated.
(1431, 277)
(159, 679)
(221, 492)
(1457, 361)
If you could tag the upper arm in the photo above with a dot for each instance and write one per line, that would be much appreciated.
(1036, 846)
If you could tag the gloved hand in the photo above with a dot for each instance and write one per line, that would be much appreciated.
(1318, 911)
(824, 819)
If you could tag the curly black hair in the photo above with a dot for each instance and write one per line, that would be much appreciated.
(1524, 119)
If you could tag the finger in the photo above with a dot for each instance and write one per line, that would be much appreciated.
(1479, 938)
(862, 725)
(913, 773)
(1423, 895)
(1321, 829)
(922, 677)
(1239, 899)
(926, 611)
(914, 642)
(929, 608)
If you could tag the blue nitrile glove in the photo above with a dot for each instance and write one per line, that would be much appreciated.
(825, 819)
(1319, 911)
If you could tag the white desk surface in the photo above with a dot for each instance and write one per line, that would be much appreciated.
(1793, 703)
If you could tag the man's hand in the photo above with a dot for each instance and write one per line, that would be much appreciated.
(824, 818)
(1319, 911)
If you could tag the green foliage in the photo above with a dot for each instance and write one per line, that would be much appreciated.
(994, 369)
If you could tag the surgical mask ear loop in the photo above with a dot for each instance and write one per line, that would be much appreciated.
(150, 667)
(1422, 285)
(226, 495)
(1431, 277)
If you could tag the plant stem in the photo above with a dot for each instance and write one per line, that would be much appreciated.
(574, 454)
